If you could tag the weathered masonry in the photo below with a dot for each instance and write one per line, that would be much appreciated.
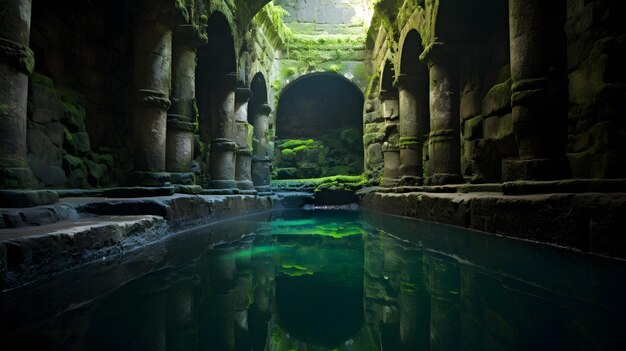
(505, 116)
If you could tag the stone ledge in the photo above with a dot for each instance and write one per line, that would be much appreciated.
(110, 227)
(33, 253)
(590, 222)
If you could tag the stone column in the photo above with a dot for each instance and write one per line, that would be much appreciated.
(391, 150)
(16, 64)
(181, 118)
(445, 123)
(223, 147)
(243, 167)
(153, 71)
(411, 132)
(539, 95)
(261, 162)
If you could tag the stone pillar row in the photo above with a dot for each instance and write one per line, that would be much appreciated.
(539, 104)
(16, 64)
(163, 126)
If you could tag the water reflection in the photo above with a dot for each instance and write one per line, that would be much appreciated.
(330, 281)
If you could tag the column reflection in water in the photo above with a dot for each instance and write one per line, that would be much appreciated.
(328, 282)
(181, 313)
(263, 289)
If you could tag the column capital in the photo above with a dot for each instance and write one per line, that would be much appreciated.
(408, 81)
(387, 95)
(242, 94)
(264, 109)
(439, 51)
(189, 35)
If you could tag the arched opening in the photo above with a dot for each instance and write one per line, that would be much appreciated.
(258, 97)
(319, 128)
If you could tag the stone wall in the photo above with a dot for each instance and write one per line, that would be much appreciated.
(79, 100)
(596, 53)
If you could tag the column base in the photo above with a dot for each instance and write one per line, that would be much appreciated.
(446, 178)
(16, 178)
(390, 182)
(411, 181)
(221, 187)
(264, 190)
(535, 169)
(149, 179)
(186, 178)
(246, 187)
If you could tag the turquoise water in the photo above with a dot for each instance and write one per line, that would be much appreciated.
(327, 280)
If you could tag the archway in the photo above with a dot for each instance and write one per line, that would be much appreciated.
(319, 128)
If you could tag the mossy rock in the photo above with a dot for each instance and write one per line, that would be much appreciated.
(350, 136)
(287, 173)
(79, 142)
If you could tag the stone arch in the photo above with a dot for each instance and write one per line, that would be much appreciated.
(387, 76)
(324, 110)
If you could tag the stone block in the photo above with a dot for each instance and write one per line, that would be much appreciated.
(42, 149)
(138, 192)
(27, 198)
(496, 128)
(80, 143)
(56, 132)
(473, 128)
(52, 176)
(497, 101)
(471, 104)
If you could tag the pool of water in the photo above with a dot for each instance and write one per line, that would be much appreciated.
(326, 280)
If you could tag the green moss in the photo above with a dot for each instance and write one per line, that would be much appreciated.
(270, 18)
(287, 153)
(339, 182)
(5, 109)
(408, 141)
(41, 80)
(294, 143)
